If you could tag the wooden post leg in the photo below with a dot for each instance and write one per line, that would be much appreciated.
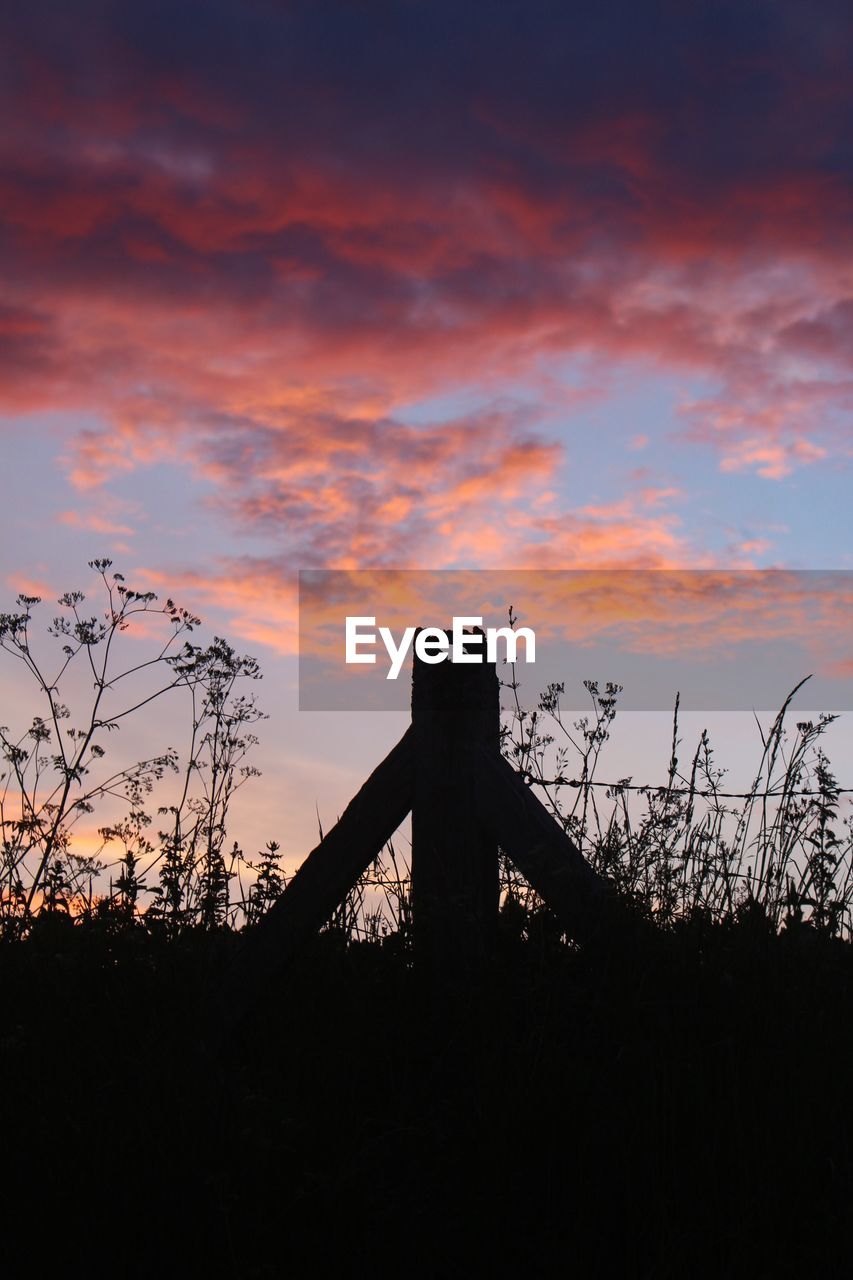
(585, 903)
(455, 713)
(323, 881)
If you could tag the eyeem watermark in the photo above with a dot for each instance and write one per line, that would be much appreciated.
(724, 639)
(434, 645)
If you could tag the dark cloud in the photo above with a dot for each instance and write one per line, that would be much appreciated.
(728, 91)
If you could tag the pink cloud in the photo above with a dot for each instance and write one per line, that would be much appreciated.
(93, 522)
(261, 303)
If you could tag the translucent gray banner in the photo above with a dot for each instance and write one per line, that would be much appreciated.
(734, 640)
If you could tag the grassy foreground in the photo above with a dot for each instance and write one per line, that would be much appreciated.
(679, 1111)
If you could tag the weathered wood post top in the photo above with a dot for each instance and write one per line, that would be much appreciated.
(455, 887)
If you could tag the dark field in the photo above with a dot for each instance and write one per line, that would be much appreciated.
(680, 1107)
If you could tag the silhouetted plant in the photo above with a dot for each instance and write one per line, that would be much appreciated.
(54, 772)
(268, 885)
(691, 853)
(387, 886)
(194, 878)
(129, 883)
(47, 783)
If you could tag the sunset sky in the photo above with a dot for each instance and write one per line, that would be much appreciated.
(418, 285)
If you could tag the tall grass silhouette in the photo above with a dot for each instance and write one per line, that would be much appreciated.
(683, 849)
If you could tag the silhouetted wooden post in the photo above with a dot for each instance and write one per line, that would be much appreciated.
(455, 892)
(466, 800)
